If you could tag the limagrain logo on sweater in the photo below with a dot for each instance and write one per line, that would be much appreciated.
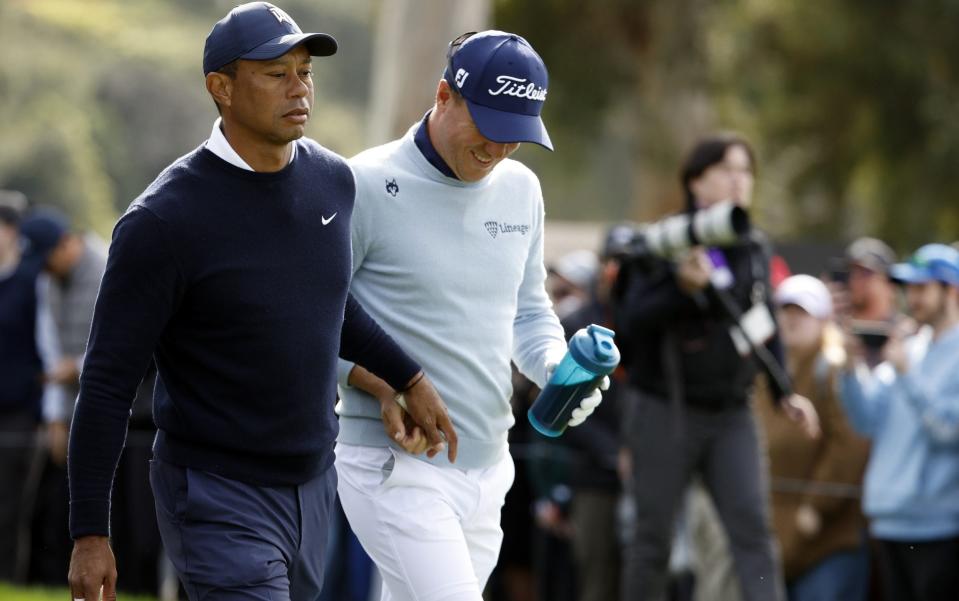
(496, 227)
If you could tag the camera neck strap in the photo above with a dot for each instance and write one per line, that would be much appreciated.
(669, 351)
(767, 362)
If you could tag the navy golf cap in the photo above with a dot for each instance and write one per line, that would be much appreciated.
(259, 31)
(504, 83)
(44, 228)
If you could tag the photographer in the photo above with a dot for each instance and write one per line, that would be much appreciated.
(909, 408)
(693, 384)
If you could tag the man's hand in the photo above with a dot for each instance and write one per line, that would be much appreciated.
(588, 404)
(400, 427)
(549, 517)
(65, 372)
(693, 271)
(415, 418)
(57, 434)
(839, 293)
(429, 412)
(894, 350)
(801, 410)
(808, 520)
(92, 567)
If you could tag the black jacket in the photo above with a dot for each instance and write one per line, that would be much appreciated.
(650, 304)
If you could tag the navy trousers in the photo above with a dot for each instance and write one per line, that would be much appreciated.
(233, 540)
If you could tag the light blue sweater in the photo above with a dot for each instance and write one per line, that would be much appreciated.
(453, 271)
(912, 480)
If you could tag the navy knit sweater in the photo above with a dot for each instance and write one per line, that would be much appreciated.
(236, 282)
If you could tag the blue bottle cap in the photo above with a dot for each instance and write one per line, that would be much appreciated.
(594, 349)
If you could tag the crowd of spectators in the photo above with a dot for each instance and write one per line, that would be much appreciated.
(816, 460)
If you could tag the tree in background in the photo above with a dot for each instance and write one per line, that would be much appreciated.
(851, 105)
(97, 97)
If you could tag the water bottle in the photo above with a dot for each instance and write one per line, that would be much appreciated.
(591, 356)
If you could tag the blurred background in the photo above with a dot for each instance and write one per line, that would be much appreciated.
(850, 104)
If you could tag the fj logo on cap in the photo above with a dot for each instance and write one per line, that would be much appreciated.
(518, 87)
(461, 75)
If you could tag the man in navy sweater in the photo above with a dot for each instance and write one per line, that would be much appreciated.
(232, 270)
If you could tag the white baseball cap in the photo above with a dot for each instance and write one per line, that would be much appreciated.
(578, 267)
(807, 293)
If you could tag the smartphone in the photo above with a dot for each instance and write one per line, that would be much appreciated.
(874, 334)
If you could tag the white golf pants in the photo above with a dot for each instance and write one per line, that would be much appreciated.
(433, 532)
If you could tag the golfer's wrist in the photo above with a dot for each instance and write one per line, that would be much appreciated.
(413, 381)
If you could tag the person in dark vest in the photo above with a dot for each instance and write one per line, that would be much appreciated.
(232, 271)
(28, 347)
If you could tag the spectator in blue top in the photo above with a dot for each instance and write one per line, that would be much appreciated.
(909, 407)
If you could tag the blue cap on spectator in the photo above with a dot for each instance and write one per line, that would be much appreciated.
(504, 83)
(43, 229)
(931, 263)
(259, 31)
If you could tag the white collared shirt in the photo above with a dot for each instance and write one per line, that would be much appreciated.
(220, 146)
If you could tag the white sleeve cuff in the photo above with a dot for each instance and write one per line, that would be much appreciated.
(54, 403)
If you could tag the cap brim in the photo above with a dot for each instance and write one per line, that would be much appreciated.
(317, 44)
(508, 128)
(796, 302)
(873, 265)
(909, 274)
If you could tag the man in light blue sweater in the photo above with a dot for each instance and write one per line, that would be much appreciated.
(909, 407)
(448, 257)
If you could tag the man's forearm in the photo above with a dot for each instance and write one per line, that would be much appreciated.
(362, 378)
(362, 341)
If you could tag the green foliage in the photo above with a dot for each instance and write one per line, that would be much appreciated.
(861, 95)
(851, 105)
(98, 96)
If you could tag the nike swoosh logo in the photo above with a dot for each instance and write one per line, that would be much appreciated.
(326, 220)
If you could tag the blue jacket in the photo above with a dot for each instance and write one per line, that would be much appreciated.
(912, 480)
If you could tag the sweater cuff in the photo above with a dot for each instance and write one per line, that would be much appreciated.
(90, 517)
(343, 369)
(391, 364)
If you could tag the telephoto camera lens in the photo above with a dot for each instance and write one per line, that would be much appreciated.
(722, 224)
